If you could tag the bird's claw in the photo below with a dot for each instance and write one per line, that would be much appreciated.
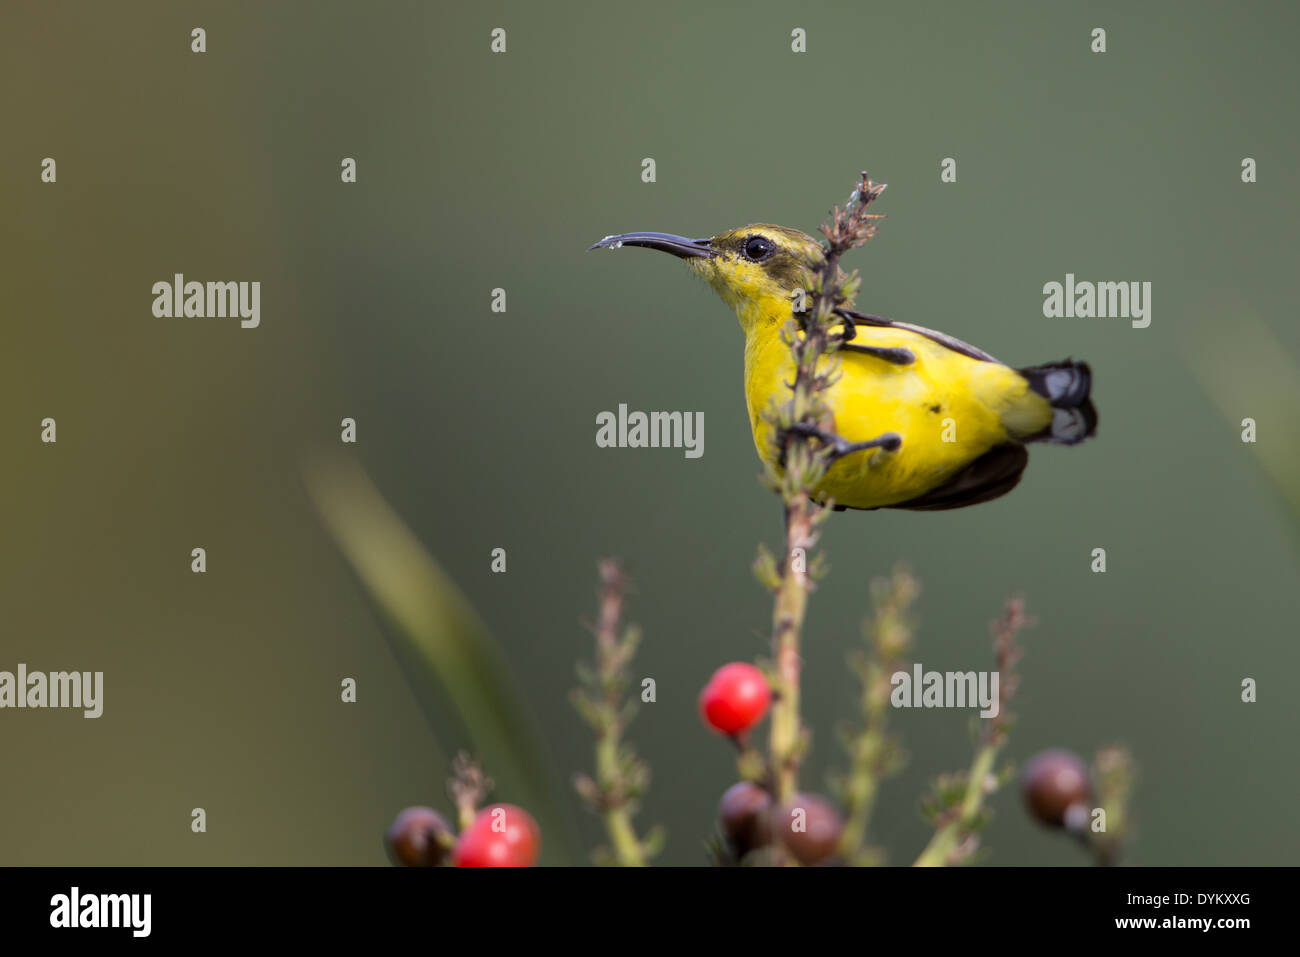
(836, 446)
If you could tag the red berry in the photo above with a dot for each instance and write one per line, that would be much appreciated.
(1056, 788)
(502, 835)
(735, 698)
(418, 837)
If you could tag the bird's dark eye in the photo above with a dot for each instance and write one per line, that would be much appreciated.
(758, 248)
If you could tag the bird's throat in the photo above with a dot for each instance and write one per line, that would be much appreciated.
(761, 316)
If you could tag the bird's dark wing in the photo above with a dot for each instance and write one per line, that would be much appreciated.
(994, 473)
(945, 340)
(894, 356)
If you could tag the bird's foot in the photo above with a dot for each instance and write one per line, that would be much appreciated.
(836, 446)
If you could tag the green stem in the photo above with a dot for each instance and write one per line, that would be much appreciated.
(860, 794)
(618, 824)
(872, 755)
(787, 624)
(946, 839)
(627, 848)
(465, 815)
(612, 774)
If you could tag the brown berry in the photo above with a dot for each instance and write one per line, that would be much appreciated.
(744, 815)
(418, 837)
(1056, 788)
(809, 828)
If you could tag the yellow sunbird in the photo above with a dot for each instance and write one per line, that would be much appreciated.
(939, 423)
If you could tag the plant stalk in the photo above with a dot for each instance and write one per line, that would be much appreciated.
(787, 626)
(947, 838)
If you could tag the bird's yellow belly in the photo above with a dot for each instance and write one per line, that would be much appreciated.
(945, 407)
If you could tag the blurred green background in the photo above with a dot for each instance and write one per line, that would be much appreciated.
(479, 171)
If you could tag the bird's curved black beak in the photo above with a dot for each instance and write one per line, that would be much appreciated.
(679, 246)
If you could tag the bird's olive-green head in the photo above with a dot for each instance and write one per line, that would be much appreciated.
(757, 269)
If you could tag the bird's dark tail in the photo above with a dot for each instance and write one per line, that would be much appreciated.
(1065, 385)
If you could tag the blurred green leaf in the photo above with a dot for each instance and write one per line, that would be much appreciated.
(1248, 373)
(445, 649)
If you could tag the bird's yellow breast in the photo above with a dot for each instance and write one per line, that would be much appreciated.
(948, 408)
